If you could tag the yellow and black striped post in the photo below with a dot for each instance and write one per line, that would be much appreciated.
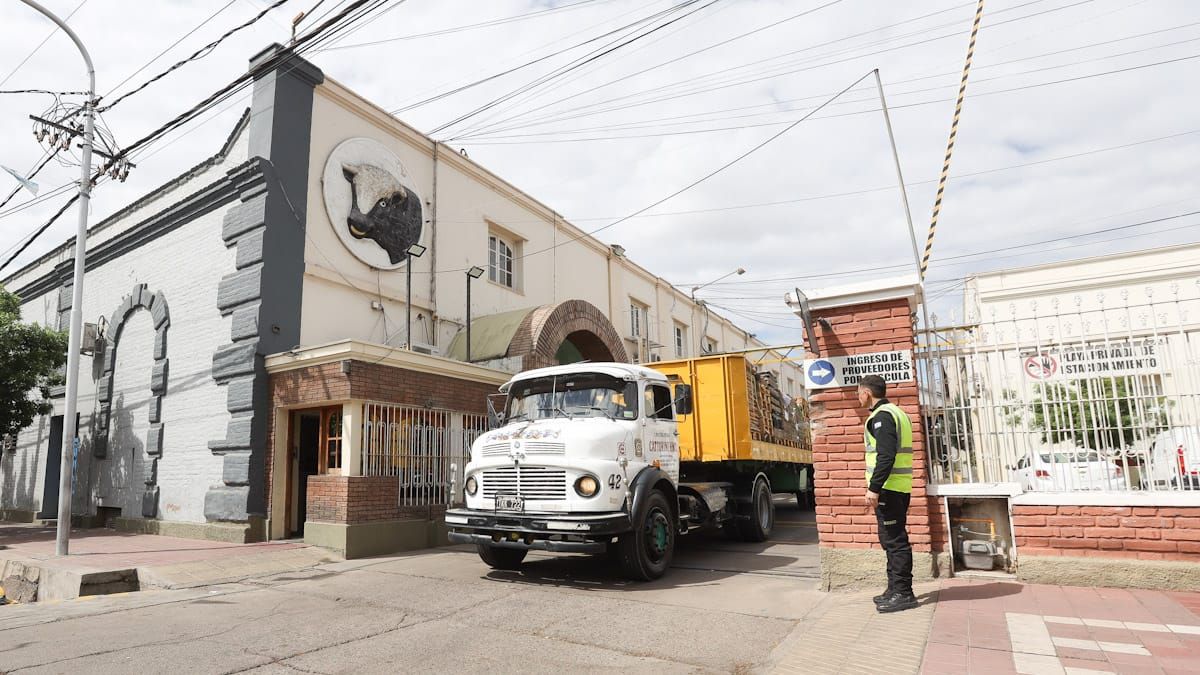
(962, 90)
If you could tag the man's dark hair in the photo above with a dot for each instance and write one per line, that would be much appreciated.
(874, 384)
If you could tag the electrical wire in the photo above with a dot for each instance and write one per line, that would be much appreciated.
(41, 44)
(170, 47)
(195, 56)
(581, 62)
(458, 29)
(905, 106)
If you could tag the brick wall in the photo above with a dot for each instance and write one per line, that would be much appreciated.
(322, 384)
(360, 499)
(843, 520)
(1142, 533)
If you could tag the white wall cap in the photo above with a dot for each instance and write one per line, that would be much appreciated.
(906, 286)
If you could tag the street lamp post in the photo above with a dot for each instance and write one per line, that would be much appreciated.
(739, 271)
(474, 273)
(70, 428)
(414, 251)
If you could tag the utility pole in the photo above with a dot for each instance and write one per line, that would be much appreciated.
(70, 428)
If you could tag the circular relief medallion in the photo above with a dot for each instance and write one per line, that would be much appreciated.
(372, 202)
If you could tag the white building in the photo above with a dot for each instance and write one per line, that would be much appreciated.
(257, 304)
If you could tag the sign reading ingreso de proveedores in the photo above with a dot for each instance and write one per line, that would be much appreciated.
(846, 371)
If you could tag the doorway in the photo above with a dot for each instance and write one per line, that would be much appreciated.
(53, 470)
(305, 453)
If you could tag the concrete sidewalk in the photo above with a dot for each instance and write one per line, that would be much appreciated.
(103, 560)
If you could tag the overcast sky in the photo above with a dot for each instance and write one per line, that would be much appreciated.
(1038, 157)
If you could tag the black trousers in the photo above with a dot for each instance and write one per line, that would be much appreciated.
(892, 516)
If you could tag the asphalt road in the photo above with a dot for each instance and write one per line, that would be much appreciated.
(724, 608)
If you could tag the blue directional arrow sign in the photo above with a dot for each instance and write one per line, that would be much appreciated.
(821, 372)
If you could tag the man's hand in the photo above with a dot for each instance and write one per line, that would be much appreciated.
(872, 499)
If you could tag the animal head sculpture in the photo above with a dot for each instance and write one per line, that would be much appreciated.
(382, 210)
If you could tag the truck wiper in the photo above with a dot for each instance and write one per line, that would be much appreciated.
(557, 409)
(603, 410)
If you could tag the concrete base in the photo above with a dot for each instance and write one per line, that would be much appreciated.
(846, 569)
(1115, 573)
(237, 533)
(17, 516)
(26, 581)
(368, 539)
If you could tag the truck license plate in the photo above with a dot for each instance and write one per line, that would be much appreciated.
(510, 503)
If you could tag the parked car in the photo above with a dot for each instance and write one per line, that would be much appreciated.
(1067, 470)
(1173, 461)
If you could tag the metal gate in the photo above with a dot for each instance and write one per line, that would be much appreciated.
(1096, 391)
(422, 447)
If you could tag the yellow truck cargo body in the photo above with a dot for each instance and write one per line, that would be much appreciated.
(719, 427)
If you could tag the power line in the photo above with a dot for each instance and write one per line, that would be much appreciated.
(40, 45)
(494, 76)
(579, 63)
(659, 89)
(170, 47)
(689, 186)
(472, 26)
(642, 124)
(31, 174)
(680, 58)
(831, 116)
(196, 55)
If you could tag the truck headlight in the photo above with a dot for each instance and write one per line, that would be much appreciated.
(472, 486)
(587, 486)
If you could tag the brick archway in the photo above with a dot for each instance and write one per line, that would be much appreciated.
(545, 329)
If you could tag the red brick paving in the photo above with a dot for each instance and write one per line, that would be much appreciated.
(109, 549)
(970, 631)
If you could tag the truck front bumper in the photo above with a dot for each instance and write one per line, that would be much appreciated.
(559, 532)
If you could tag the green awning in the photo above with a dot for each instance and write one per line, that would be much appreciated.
(490, 336)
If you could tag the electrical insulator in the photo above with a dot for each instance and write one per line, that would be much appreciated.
(124, 171)
(54, 138)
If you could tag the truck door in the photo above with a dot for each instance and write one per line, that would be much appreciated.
(659, 432)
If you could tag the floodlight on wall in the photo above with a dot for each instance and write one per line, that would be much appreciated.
(618, 250)
(413, 251)
(473, 273)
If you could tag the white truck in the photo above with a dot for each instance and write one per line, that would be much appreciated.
(622, 459)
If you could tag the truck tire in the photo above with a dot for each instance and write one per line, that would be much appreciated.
(646, 552)
(501, 558)
(762, 515)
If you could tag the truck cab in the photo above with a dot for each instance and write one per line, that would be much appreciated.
(583, 452)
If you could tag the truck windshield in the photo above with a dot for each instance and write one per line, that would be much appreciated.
(570, 396)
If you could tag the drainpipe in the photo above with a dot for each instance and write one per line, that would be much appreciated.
(433, 314)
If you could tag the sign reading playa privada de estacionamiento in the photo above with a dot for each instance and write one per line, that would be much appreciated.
(1112, 359)
(847, 371)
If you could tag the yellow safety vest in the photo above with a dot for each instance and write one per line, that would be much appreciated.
(900, 479)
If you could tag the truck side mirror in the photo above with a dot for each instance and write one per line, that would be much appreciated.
(683, 399)
(495, 418)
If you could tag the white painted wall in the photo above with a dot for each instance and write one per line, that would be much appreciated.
(186, 266)
(339, 289)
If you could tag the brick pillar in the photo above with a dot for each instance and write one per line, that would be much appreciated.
(863, 320)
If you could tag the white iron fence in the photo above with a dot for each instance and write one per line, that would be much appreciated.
(1085, 392)
(422, 447)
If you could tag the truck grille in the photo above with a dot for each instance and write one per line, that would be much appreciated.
(536, 482)
(530, 448)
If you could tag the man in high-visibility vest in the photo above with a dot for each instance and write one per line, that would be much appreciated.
(888, 437)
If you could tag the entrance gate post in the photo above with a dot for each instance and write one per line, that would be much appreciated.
(853, 320)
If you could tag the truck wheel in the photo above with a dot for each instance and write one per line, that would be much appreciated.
(501, 558)
(646, 552)
(762, 515)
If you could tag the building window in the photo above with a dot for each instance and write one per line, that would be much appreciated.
(500, 261)
(637, 320)
(331, 440)
(709, 346)
(680, 341)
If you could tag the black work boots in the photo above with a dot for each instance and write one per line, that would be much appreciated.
(896, 601)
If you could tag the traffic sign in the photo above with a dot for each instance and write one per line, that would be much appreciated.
(847, 371)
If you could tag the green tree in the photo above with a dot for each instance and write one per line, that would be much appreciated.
(30, 359)
(1101, 413)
